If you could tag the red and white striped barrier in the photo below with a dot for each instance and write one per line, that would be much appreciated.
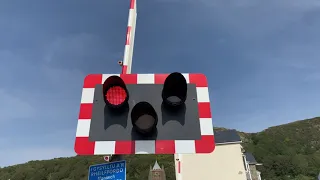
(128, 50)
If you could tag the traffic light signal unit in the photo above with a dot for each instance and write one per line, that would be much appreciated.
(144, 114)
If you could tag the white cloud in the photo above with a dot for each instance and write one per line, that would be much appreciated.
(313, 77)
(23, 100)
(12, 106)
(254, 20)
(24, 82)
(8, 67)
(76, 48)
(23, 149)
(84, 51)
(63, 77)
(297, 4)
(307, 4)
(21, 155)
(75, 44)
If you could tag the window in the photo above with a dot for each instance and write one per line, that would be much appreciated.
(244, 162)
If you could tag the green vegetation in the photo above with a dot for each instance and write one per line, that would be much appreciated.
(76, 168)
(290, 151)
(287, 152)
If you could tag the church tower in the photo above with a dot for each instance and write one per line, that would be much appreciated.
(157, 173)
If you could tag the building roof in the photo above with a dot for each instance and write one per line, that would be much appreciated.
(226, 136)
(156, 166)
(250, 158)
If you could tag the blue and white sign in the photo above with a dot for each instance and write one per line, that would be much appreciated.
(108, 171)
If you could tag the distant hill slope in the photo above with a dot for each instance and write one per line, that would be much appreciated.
(76, 168)
(287, 152)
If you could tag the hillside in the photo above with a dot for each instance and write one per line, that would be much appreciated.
(290, 151)
(76, 168)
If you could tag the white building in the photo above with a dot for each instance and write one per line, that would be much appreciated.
(227, 162)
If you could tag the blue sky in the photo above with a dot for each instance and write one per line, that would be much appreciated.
(261, 59)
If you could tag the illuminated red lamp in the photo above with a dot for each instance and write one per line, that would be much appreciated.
(115, 92)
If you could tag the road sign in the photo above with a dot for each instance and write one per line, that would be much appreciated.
(108, 171)
(115, 135)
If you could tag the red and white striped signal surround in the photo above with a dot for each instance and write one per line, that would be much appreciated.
(83, 146)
